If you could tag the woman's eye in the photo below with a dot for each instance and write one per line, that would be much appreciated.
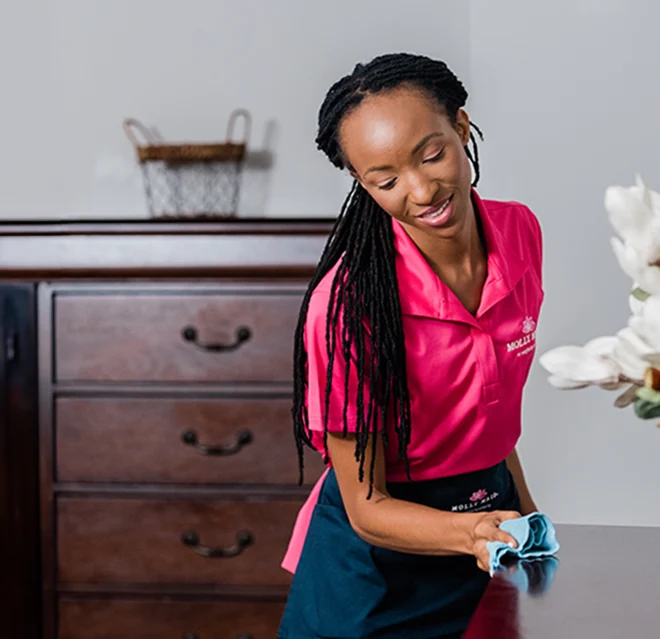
(387, 186)
(436, 157)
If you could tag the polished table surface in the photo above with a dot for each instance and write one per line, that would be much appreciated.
(604, 584)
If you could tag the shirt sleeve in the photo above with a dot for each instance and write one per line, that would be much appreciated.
(317, 365)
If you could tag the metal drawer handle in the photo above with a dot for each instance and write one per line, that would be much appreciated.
(243, 334)
(243, 539)
(243, 438)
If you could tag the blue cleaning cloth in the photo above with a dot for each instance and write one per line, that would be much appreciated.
(535, 535)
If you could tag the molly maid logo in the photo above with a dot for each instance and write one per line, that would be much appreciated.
(478, 501)
(478, 495)
(527, 342)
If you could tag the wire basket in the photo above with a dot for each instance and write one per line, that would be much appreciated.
(191, 180)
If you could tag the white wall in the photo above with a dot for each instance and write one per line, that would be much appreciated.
(73, 69)
(568, 97)
(566, 93)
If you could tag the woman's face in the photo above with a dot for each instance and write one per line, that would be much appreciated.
(407, 154)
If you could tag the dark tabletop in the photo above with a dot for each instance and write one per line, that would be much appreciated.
(604, 584)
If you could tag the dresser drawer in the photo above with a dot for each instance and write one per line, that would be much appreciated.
(222, 336)
(130, 540)
(166, 441)
(129, 619)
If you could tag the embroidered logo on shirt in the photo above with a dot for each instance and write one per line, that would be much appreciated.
(529, 325)
(478, 501)
(527, 343)
(478, 495)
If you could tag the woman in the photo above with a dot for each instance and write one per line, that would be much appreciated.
(414, 342)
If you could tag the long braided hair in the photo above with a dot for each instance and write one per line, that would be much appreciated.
(364, 297)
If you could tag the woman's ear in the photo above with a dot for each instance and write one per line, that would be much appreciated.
(463, 126)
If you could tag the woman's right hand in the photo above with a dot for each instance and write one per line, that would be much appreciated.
(486, 528)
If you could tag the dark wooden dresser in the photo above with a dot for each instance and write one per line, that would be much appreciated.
(153, 465)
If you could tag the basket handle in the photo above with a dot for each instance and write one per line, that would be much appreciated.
(247, 125)
(131, 126)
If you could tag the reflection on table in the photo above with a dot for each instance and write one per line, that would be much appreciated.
(604, 584)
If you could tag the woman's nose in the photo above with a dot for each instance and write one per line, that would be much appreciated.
(421, 190)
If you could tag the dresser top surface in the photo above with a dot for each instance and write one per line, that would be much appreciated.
(155, 226)
(39, 250)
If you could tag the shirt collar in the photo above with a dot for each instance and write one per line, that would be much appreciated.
(423, 293)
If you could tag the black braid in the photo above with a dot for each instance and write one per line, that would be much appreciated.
(364, 297)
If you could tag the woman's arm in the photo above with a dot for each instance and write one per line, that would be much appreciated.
(404, 526)
(526, 502)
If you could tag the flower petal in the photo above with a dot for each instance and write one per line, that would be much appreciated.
(649, 246)
(628, 212)
(601, 346)
(652, 309)
(653, 359)
(647, 329)
(566, 384)
(645, 192)
(649, 276)
(574, 363)
(630, 363)
(655, 202)
(634, 342)
(627, 258)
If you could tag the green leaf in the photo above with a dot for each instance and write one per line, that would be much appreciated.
(640, 294)
(647, 410)
(648, 395)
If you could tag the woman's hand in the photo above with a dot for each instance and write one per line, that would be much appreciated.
(485, 529)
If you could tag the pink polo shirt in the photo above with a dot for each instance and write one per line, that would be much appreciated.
(465, 373)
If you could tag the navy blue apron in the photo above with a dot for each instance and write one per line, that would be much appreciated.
(345, 588)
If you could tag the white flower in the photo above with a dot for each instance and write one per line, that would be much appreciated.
(634, 213)
(630, 211)
(577, 367)
(629, 354)
(565, 384)
(635, 266)
(631, 357)
(646, 327)
(636, 304)
(601, 346)
(609, 362)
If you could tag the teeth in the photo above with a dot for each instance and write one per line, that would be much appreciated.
(440, 210)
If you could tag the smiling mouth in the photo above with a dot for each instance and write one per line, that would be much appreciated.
(436, 211)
